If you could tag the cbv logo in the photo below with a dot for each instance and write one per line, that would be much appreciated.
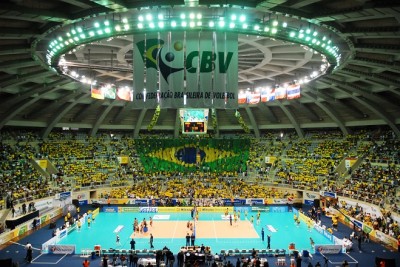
(148, 209)
(207, 61)
(175, 59)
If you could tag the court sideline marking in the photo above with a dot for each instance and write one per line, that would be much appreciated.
(215, 231)
(340, 262)
(33, 261)
(173, 235)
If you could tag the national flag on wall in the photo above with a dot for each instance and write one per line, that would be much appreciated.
(293, 91)
(271, 94)
(280, 92)
(253, 98)
(264, 95)
(124, 93)
(97, 93)
(242, 98)
(109, 91)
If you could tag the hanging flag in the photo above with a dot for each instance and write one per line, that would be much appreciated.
(124, 93)
(293, 91)
(253, 98)
(109, 91)
(280, 92)
(271, 94)
(242, 97)
(97, 93)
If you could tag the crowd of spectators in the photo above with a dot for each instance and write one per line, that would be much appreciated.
(19, 179)
(376, 178)
(305, 163)
(384, 223)
(372, 183)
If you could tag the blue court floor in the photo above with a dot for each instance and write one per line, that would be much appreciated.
(279, 226)
(365, 257)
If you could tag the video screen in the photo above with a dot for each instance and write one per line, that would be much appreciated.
(194, 121)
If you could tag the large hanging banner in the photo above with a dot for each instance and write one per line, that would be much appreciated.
(145, 69)
(227, 69)
(205, 57)
(170, 64)
(192, 69)
(185, 69)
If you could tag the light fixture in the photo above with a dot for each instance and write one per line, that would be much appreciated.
(149, 17)
(78, 33)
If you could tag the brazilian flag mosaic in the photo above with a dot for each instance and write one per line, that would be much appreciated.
(189, 155)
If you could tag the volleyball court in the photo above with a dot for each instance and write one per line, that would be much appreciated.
(201, 229)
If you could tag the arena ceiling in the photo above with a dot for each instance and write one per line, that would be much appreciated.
(362, 91)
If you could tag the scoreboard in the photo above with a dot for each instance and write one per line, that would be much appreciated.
(193, 127)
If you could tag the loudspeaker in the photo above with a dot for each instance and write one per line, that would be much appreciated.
(316, 203)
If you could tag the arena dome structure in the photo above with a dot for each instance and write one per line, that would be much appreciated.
(344, 54)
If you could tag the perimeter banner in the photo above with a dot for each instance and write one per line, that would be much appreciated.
(185, 69)
(328, 249)
(61, 249)
(199, 209)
